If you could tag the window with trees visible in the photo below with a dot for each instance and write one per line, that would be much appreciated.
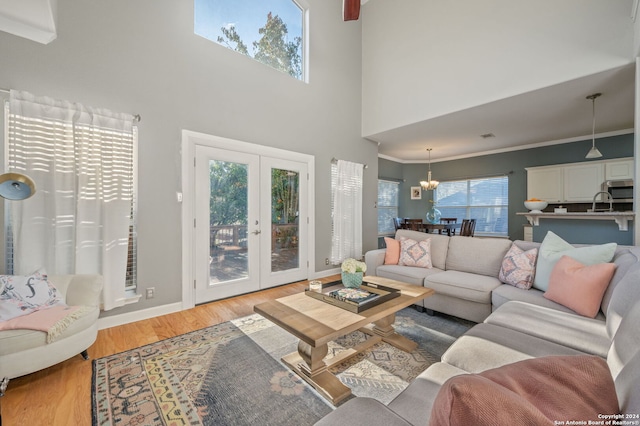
(271, 32)
(483, 199)
(387, 206)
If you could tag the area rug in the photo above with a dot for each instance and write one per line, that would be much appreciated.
(231, 374)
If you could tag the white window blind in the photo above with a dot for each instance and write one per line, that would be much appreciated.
(483, 199)
(387, 206)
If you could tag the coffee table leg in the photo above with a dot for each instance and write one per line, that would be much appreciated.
(384, 328)
(308, 363)
(313, 358)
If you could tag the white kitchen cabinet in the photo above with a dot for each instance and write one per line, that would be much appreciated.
(582, 181)
(567, 183)
(619, 170)
(545, 183)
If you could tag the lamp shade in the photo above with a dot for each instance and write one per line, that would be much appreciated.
(593, 153)
(16, 186)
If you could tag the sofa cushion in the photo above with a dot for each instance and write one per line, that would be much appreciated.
(581, 333)
(575, 387)
(405, 274)
(481, 256)
(506, 293)
(553, 248)
(627, 387)
(415, 402)
(518, 267)
(362, 411)
(626, 342)
(439, 245)
(463, 285)
(13, 341)
(579, 287)
(624, 258)
(626, 293)
(488, 346)
(415, 253)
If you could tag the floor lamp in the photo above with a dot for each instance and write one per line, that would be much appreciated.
(15, 187)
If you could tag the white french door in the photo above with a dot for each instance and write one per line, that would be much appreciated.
(284, 213)
(251, 222)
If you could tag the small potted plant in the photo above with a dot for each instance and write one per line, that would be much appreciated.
(352, 272)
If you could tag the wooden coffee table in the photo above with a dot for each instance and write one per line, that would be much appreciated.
(316, 323)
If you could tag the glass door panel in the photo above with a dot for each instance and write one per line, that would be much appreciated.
(228, 218)
(284, 250)
(285, 210)
(227, 223)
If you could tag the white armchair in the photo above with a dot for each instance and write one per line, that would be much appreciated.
(27, 351)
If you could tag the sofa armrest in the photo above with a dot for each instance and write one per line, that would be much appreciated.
(82, 289)
(362, 411)
(373, 259)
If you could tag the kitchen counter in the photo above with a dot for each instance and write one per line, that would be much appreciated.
(621, 218)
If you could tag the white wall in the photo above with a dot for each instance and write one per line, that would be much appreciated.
(142, 57)
(427, 58)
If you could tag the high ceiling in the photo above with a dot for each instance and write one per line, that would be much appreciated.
(444, 73)
(560, 113)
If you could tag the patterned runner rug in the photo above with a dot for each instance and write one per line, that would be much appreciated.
(231, 374)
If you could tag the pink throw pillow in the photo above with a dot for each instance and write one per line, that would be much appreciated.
(415, 253)
(392, 255)
(518, 267)
(579, 287)
(535, 391)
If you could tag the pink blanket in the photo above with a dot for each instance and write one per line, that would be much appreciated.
(53, 320)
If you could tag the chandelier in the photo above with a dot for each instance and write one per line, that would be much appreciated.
(429, 184)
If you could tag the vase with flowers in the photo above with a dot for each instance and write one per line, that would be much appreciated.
(352, 272)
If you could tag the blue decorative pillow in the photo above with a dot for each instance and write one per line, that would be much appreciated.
(553, 248)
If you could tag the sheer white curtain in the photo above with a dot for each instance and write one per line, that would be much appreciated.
(81, 160)
(346, 184)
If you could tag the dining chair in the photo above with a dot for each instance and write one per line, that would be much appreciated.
(397, 223)
(468, 227)
(447, 221)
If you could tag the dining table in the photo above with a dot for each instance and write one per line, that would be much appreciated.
(449, 228)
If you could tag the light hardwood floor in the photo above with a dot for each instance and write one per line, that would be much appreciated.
(61, 395)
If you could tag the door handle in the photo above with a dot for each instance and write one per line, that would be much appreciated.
(256, 232)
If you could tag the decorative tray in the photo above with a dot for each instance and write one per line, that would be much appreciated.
(357, 300)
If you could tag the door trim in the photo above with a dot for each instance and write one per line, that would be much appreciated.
(189, 141)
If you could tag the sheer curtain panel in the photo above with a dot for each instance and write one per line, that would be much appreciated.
(82, 160)
(346, 184)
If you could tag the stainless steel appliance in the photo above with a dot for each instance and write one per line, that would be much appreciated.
(620, 190)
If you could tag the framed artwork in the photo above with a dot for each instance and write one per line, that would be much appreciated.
(416, 193)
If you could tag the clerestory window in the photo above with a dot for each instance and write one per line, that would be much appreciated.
(271, 32)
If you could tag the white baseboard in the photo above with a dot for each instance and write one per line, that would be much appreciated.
(129, 317)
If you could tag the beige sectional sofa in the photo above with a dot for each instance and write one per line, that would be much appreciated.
(523, 326)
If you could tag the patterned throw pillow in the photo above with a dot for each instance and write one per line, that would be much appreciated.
(415, 253)
(22, 295)
(519, 267)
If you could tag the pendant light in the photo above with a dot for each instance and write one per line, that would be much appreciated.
(593, 152)
(429, 184)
